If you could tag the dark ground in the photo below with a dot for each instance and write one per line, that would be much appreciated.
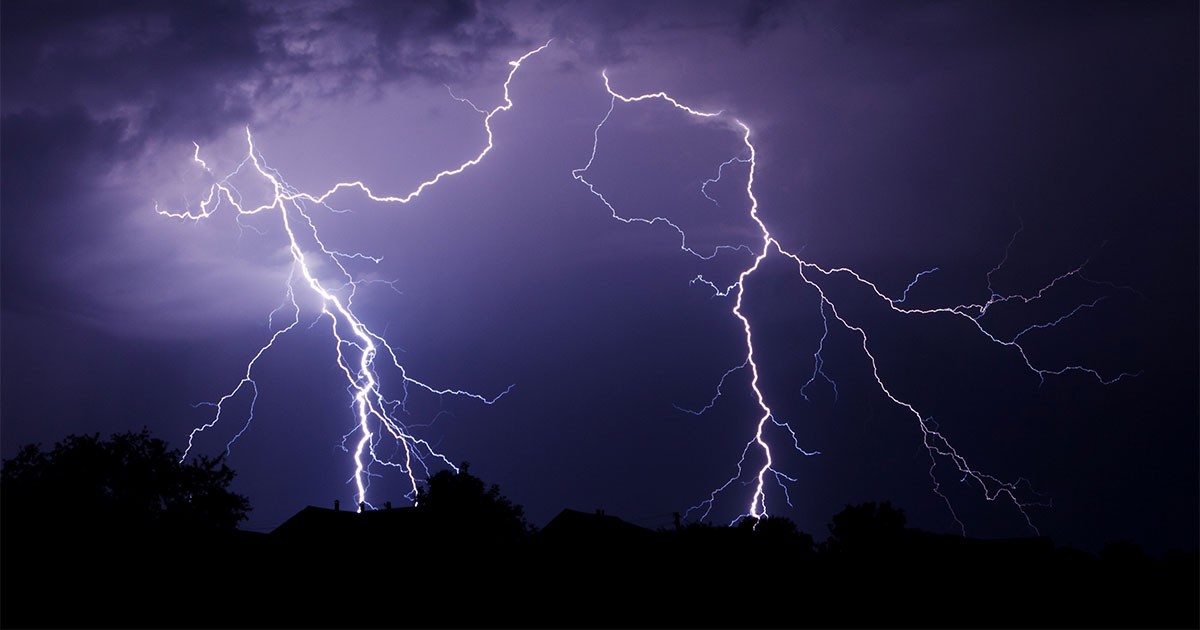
(341, 569)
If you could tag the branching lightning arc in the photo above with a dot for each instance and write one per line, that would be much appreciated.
(359, 349)
(939, 448)
(366, 359)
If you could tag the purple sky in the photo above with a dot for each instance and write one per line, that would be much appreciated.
(891, 138)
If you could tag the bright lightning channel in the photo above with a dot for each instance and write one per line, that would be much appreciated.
(358, 348)
(937, 445)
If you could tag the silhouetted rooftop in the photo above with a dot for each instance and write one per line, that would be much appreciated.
(593, 527)
(315, 521)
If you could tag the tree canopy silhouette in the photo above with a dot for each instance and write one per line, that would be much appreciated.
(464, 506)
(866, 527)
(130, 482)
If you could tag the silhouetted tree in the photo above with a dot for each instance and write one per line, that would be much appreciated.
(131, 482)
(776, 527)
(866, 527)
(119, 524)
(779, 533)
(1125, 556)
(463, 505)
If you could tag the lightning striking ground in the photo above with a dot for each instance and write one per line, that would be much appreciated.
(366, 359)
(938, 447)
(364, 356)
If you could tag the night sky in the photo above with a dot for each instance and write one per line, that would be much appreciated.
(891, 138)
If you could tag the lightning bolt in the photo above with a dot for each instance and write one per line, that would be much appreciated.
(366, 359)
(364, 356)
(766, 425)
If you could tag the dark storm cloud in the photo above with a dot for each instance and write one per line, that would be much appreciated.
(86, 87)
(40, 199)
(93, 88)
(166, 68)
(435, 39)
(608, 33)
(760, 17)
(193, 69)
